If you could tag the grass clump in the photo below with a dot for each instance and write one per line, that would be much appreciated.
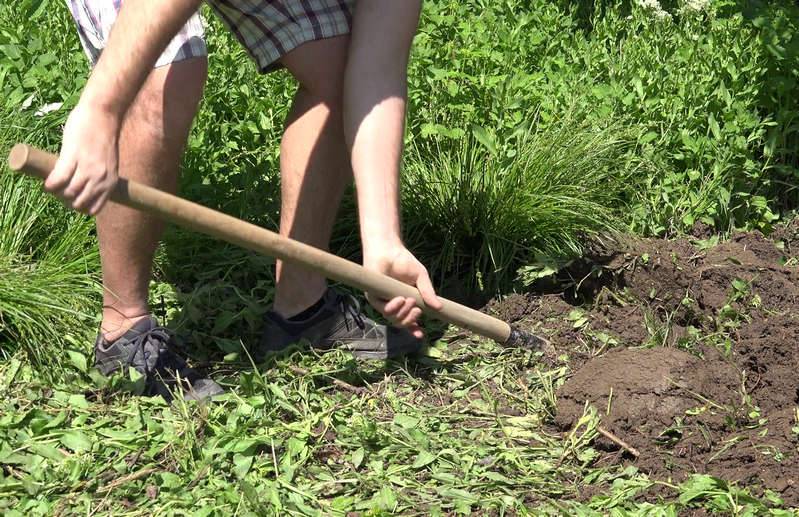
(48, 257)
(478, 209)
(48, 265)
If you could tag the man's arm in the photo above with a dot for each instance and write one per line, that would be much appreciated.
(375, 95)
(86, 171)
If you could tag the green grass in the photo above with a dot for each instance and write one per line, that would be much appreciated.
(48, 257)
(480, 210)
(48, 264)
(458, 432)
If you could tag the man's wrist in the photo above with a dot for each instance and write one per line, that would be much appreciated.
(103, 101)
(380, 244)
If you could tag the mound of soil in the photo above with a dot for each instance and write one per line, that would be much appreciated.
(714, 389)
(639, 391)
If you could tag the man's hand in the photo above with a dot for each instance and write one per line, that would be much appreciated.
(400, 263)
(86, 171)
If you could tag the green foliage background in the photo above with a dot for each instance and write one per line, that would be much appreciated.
(709, 95)
(535, 126)
(697, 106)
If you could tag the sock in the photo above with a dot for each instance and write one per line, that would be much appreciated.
(310, 311)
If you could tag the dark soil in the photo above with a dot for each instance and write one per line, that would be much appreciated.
(689, 355)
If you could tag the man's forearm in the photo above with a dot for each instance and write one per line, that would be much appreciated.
(142, 31)
(375, 93)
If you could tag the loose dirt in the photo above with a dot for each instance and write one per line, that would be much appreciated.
(689, 353)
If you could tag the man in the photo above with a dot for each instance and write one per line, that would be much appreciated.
(347, 120)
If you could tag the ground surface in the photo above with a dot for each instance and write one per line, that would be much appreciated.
(714, 388)
(685, 351)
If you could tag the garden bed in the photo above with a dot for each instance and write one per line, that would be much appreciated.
(689, 354)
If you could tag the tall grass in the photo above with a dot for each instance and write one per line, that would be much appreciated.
(48, 261)
(477, 211)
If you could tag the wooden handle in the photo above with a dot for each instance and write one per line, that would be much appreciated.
(36, 162)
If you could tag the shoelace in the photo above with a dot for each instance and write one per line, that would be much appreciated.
(154, 342)
(351, 309)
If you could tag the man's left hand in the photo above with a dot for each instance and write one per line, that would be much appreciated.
(398, 262)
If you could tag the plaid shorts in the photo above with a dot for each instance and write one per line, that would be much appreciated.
(268, 29)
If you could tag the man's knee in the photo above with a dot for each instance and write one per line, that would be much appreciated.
(325, 85)
(330, 93)
(167, 103)
(319, 67)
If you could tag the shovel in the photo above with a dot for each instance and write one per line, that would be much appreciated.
(38, 163)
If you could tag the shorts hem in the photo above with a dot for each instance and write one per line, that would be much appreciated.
(192, 48)
(292, 44)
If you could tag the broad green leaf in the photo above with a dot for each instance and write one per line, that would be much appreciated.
(406, 421)
(357, 457)
(78, 360)
(423, 459)
(385, 499)
(76, 440)
(170, 480)
(78, 401)
(698, 486)
(714, 126)
(47, 451)
(484, 138)
(242, 464)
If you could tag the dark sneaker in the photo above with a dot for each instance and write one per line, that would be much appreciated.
(339, 323)
(145, 347)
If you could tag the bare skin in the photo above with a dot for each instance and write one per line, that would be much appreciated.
(375, 93)
(151, 143)
(314, 165)
(87, 168)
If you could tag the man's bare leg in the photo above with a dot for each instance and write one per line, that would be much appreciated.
(151, 144)
(314, 165)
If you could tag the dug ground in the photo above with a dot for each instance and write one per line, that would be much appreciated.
(688, 350)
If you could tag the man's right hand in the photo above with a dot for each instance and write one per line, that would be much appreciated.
(86, 171)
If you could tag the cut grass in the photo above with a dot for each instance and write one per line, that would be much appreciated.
(459, 432)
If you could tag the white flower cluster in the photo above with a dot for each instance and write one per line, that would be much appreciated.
(656, 9)
(696, 5)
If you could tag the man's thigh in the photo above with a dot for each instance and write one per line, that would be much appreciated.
(167, 102)
(165, 107)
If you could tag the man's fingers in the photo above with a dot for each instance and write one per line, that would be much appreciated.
(378, 303)
(60, 176)
(425, 287)
(404, 310)
(391, 307)
(410, 319)
(99, 203)
(77, 187)
(401, 311)
(86, 198)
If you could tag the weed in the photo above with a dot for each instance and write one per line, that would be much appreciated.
(494, 211)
